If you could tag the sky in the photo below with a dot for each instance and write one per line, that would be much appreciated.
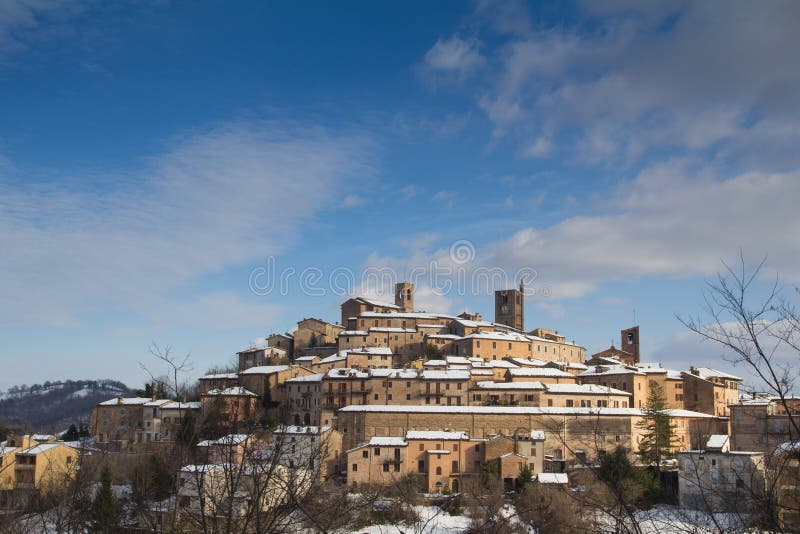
(200, 174)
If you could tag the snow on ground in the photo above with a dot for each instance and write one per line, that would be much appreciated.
(432, 521)
(660, 519)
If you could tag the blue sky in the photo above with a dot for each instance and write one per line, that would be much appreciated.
(154, 156)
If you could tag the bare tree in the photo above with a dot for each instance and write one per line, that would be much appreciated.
(758, 324)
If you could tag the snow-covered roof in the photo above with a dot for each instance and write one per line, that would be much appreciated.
(393, 329)
(584, 389)
(42, 437)
(501, 364)
(457, 360)
(393, 373)
(126, 401)
(717, 442)
(537, 435)
(706, 373)
(387, 441)
(4, 449)
(354, 333)
(488, 384)
(539, 371)
(238, 391)
(443, 336)
(264, 370)
(295, 429)
(421, 325)
(438, 451)
(435, 363)
(552, 478)
(156, 403)
(436, 434)
(596, 370)
(230, 439)
(500, 336)
(39, 449)
(481, 372)
(333, 358)
(346, 372)
(220, 376)
(528, 362)
(380, 303)
(450, 374)
(305, 358)
(371, 350)
(175, 405)
(316, 377)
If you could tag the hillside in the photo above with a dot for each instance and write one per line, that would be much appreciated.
(52, 406)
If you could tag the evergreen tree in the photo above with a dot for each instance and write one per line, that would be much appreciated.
(105, 509)
(71, 434)
(525, 477)
(160, 479)
(658, 438)
(432, 352)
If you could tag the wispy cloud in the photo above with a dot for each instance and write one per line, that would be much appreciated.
(453, 59)
(219, 198)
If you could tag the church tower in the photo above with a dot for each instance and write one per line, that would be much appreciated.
(404, 296)
(509, 307)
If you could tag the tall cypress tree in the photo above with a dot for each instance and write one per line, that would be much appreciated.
(658, 436)
(105, 509)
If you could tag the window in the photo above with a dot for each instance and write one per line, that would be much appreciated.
(389, 384)
(389, 396)
(376, 396)
(408, 384)
(454, 467)
(458, 386)
(355, 467)
(421, 466)
(478, 344)
(421, 446)
(494, 344)
(365, 454)
(385, 468)
(569, 403)
(408, 396)
(438, 469)
(549, 402)
(586, 403)
(377, 451)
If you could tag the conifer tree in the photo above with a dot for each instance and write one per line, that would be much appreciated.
(105, 509)
(658, 438)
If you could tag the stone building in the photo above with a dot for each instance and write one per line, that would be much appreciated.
(509, 307)
(716, 479)
(710, 391)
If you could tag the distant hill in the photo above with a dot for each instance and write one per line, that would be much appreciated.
(52, 406)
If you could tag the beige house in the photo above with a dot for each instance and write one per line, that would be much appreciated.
(710, 391)
(34, 468)
(257, 356)
(119, 420)
(312, 332)
(313, 448)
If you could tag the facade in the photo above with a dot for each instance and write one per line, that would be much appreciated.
(303, 399)
(758, 425)
(509, 307)
(312, 448)
(585, 429)
(710, 391)
(119, 420)
(32, 468)
(314, 333)
(283, 342)
(256, 356)
(717, 479)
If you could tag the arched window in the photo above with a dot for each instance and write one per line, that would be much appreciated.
(439, 470)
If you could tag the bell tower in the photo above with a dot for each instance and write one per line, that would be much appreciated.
(509, 307)
(404, 296)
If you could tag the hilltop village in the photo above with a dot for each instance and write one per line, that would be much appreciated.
(391, 392)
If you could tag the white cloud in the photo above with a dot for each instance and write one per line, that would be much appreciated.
(351, 201)
(540, 148)
(641, 78)
(454, 58)
(22, 21)
(231, 194)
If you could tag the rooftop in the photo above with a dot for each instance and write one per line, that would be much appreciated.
(264, 370)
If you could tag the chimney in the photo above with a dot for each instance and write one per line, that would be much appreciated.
(119, 399)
